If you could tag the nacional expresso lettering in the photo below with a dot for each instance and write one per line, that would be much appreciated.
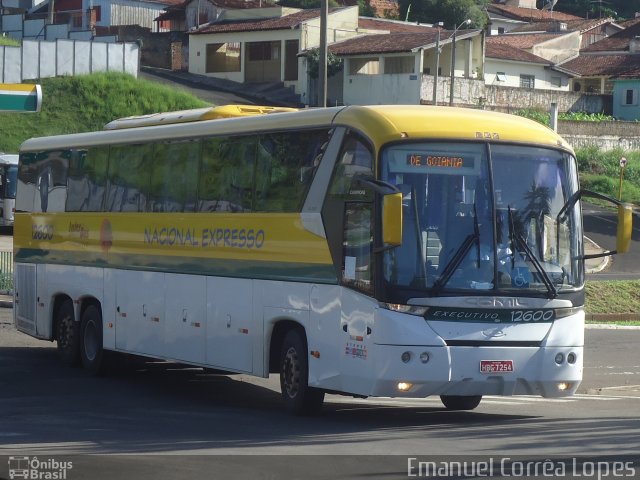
(249, 238)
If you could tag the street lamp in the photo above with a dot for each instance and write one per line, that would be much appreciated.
(435, 75)
(453, 58)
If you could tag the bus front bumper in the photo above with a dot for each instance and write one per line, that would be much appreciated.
(448, 370)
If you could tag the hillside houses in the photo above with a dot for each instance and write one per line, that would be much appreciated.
(523, 49)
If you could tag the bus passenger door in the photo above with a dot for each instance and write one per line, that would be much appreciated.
(230, 324)
(140, 312)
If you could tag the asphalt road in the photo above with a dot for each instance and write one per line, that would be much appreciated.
(159, 420)
(600, 226)
(214, 97)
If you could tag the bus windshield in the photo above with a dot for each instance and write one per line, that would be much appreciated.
(483, 217)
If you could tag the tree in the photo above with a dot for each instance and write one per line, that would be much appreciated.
(451, 12)
(334, 63)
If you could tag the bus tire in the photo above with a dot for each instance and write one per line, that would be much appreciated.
(68, 335)
(91, 351)
(458, 402)
(298, 396)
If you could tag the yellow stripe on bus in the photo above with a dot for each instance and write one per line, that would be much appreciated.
(260, 236)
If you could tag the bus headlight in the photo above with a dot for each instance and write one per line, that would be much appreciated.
(571, 358)
(404, 386)
(405, 357)
(559, 358)
(424, 357)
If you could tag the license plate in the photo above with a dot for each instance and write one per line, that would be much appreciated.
(496, 366)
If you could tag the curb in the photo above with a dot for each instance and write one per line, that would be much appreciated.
(604, 261)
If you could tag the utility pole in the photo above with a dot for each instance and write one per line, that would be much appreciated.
(453, 60)
(435, 74)
(322, 60)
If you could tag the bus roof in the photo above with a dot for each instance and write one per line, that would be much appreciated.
(8, 159)
(381, 123)
(194, 115)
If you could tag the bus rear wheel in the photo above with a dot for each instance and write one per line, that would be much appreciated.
(299, 397)
(458, 402)
(91, 351)
(68, 335)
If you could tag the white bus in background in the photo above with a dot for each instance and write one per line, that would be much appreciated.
(8, 182)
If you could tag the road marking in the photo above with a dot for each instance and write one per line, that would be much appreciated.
(434, 401)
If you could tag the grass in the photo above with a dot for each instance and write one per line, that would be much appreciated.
(9, 42)
(86, 103)
(618, 299)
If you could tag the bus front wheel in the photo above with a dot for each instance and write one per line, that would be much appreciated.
(91, 350)
(457, 402)
(68, 335)
(299, 397)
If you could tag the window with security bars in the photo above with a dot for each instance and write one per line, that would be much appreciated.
(527, 81)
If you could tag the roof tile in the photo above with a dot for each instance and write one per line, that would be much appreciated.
(286, 22)
(615, 66)
(530, 14)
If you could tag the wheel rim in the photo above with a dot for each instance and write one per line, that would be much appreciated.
(90, 340)
(291, 372)
(65, 332)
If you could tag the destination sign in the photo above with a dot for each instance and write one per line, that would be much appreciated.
(438, 161)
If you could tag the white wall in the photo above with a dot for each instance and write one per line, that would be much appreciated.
(381, 89)
(35, 59)
(513, 70)
(198, 49)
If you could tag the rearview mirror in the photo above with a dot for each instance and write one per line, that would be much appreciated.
(392, 219)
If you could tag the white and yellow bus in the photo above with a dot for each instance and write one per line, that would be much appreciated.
(8, 183)
(398, 251)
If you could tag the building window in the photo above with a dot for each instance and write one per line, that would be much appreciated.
(364, 66)
(500, 30)
(397, 65)
(501, 77)
(527, 81)
(630, 97)
(556, 82)
(223, 57)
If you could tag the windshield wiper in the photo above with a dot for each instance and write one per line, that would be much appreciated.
(457, 258)
(522, 243)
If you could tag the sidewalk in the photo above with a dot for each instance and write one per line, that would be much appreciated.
(594, 265)
(6, 301)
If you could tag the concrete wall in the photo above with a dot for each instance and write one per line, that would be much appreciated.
(65, 57)
(381, 89)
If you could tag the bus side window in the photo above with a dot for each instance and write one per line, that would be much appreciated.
(175, 170)
(129, 178)
(285, 169)
(226, 179)
(51, 182)
(87, 179)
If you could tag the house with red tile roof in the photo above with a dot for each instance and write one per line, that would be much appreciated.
(611, 66)
(391, 68)
(505, 17)
(250, 46)
(190, 14)
(591, 31)
(506, 66)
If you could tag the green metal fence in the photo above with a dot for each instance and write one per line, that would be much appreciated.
(6, 271)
